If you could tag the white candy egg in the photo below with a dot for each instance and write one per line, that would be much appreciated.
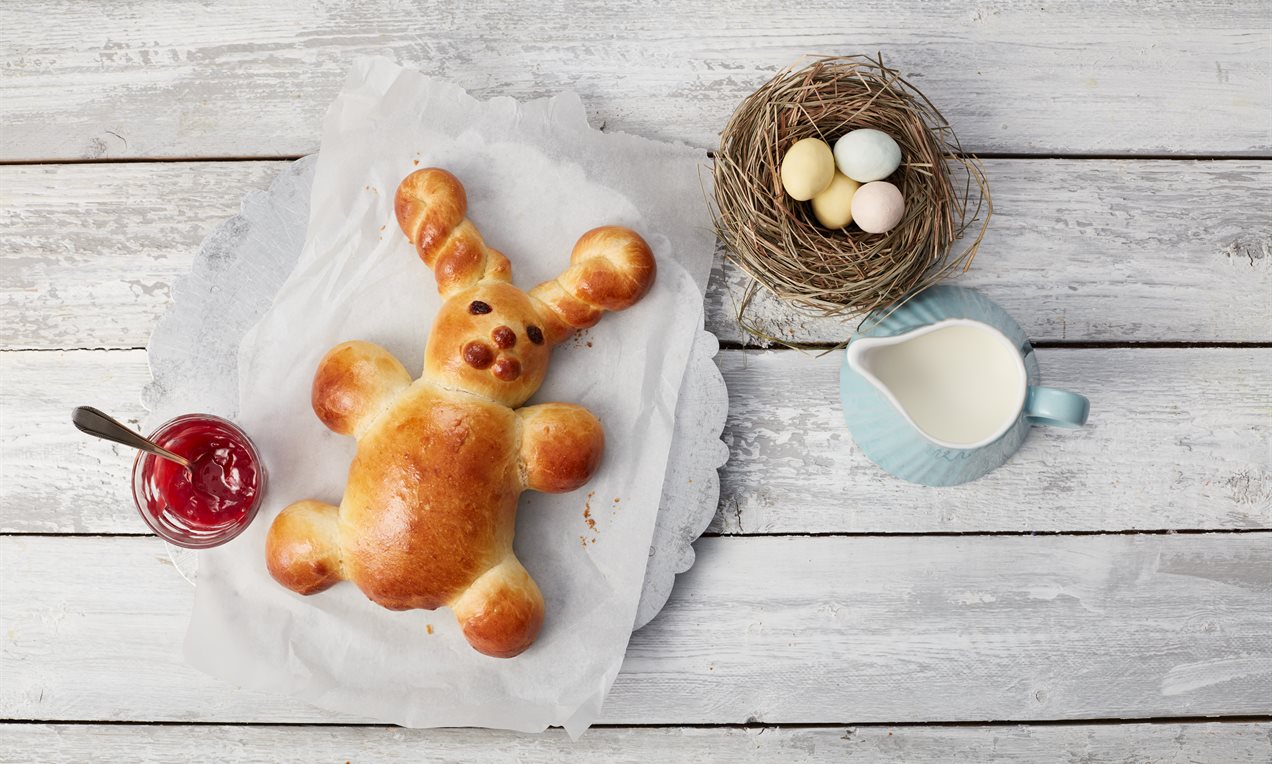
(833, 207)
(807, 168)
(877, 207)
(866, 155)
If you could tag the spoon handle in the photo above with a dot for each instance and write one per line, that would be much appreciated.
(90, 420)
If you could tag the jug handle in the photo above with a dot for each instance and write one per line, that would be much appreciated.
(1055, 407)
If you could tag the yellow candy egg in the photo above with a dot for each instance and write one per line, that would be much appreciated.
(807, 168)
(833, 207)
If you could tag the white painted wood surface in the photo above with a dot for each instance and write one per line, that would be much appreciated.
(182, 79)
(816, 630)
(1190, 453)
(770, 630)
(1078, 251)
(1165, 743)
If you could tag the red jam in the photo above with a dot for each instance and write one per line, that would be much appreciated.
(216, 498)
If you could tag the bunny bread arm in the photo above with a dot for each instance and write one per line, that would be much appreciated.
(355, 382)
(561, 446)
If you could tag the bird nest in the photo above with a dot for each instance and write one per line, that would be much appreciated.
(777, 240)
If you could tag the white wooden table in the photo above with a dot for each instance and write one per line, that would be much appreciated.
(1107, 596)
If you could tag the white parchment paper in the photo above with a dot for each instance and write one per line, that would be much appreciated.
(537, 177)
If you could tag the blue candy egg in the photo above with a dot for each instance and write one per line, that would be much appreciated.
(865, 155)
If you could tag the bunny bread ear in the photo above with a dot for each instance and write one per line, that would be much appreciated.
(432, 210)
(611, 268)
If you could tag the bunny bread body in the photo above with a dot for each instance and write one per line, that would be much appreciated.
(429, 510)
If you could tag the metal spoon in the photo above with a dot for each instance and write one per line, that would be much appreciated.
(99, 425)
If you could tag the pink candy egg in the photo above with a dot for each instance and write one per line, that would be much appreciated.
(877, 207)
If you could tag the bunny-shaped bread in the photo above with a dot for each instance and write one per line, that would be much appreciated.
(429, 510)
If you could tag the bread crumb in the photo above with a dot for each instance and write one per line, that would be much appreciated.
(580, 338)
(587, 511)
(429, 628)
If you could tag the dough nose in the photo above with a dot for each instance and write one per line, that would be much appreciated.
(507, 369)
(503, 337)
(478, 354)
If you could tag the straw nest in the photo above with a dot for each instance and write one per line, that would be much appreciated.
(778, 242)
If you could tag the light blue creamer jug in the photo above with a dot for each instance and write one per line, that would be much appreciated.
(945, 388)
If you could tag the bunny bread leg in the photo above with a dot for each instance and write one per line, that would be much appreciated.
(355, 382)
(502, 611)
(611, 268)
(561, 446)
(302, 549)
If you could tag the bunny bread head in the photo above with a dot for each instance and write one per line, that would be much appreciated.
(489, 337)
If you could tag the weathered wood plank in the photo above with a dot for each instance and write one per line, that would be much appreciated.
(177, 79)
(54, 479)
(1229, 743)
(1123, 251)
(1178, 439)
(769, 630)
(88, 256)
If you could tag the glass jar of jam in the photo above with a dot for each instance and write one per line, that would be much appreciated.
(214, 500)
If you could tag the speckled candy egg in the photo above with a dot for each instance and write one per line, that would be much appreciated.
(866, 155)
(807, 169)
(877, 207)
(833, 207)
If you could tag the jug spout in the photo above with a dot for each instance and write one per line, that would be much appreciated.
(861, 349)
(866, 354)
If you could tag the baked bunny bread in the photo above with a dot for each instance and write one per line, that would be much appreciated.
(429, 510)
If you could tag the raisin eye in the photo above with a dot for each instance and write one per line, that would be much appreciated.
(535, 334)
(479, 308)
(478, 355)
